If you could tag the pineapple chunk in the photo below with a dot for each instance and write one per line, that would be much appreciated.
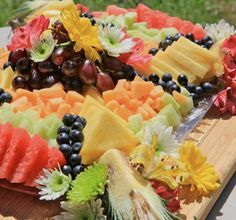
(6, 77)
(175, 62)
(104, 130)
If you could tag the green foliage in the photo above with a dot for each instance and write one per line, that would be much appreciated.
(202, 11)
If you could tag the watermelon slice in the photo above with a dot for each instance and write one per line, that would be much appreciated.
(35, 153)
(115, 10)
(14, 153)
(6, 131)
(48, 161)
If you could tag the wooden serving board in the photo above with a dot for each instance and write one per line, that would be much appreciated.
(217, 138)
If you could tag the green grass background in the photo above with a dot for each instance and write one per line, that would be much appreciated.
(201, 11)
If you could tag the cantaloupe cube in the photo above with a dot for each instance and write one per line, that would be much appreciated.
(119, 95)
(72, 97)
(77, 107)
(113, 104)
(158, 104)
(123, 112)
(53, 92)
(143, 112)
(63, 109)
(53, 104)
(30, 95)
(157, 92)
(94, 93)
(45, 111)
(141, 89)
(123, 83)
(137, 78)
(149, 110)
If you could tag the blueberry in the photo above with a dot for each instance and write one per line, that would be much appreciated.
(162, 84)
(77, 126)
(182, 80)
(167, 43)
(74, 160)
(177, 36)
(77, 147)
(127, 69)
(194, 96)
(75, 117)
(174, 88)
(169, 38)
(63, 129)
(76, 136)
(191, 87)
(207, 87)
(198, 42)
(82, 121)
(144, 78)
(77, 170)
(167, 77)
(63, 138)
(1, 91)
(170, 83)
(161, 45)
(154, 78)
(208, 44)
(66, 169)
(5, 97)
(190, 36)
(68, 119)
(66, 149)
(7, 64)
(204, 46)
(93, 21)
(199, 90)
(206, 39)
(153, 51)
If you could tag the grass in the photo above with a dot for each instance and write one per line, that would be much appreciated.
(198, 11)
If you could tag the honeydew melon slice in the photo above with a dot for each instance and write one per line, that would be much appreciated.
(168, 99)
(135, 122)
(184, 91)
(174, 118)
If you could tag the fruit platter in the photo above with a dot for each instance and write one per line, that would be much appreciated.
(116, 114)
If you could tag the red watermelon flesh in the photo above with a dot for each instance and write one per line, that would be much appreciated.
(198, 32)
(6, 131)
(38, 147)
(14, 153)
(54, 158)
(115, 10)
(186, 27)
(174, 22)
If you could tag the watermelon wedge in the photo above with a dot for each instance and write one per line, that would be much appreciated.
(6, 131)
(14, 152)
(49, 161)
(37, 149)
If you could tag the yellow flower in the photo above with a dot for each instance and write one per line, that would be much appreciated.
(82, 32)
(200, 175)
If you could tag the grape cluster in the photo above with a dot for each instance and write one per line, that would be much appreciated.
(70, 140)
(205, 42)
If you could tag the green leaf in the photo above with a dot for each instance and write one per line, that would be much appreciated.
(88, 184)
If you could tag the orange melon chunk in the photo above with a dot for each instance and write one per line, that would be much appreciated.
(157, 92)
(119, 94)
(63, 109)
(179, 97)
(72, 97)
(112, 105)
(76, 109)
(141, 89)
(53, 92)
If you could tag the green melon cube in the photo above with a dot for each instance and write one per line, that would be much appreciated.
(173, 117)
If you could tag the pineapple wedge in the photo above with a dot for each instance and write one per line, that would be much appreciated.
(130, 195)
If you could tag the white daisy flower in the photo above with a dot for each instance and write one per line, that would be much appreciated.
(53, 184)
(220, 30)
(91, 210)
(112, 39)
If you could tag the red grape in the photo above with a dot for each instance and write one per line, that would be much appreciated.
(49, 81)
(70, 68)
(60, 55)
(35, 79)
(73, 84)
(46, 67)
(88, 72)
(16, 55)
(23, 65)
(19, 82)
(112, 63)
(104, 82)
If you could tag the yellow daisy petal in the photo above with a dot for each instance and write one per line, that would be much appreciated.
(200, 175)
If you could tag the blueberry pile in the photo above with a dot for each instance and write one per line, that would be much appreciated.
(205, 42)
(5, 97)
(70, 140)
